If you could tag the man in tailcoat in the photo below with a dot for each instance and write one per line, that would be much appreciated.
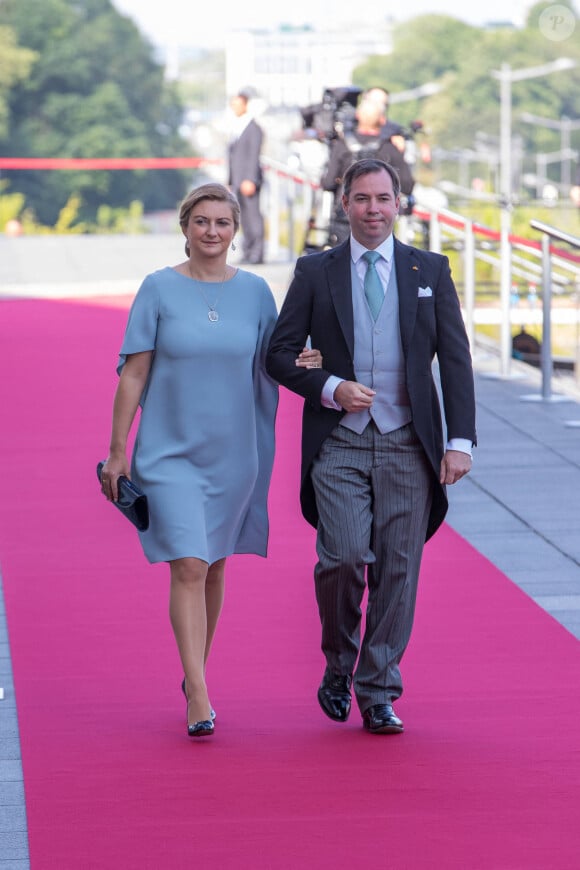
(375, 464)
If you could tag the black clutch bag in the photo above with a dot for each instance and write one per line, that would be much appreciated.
(132, 502)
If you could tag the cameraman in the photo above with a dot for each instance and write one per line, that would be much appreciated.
(366, 140)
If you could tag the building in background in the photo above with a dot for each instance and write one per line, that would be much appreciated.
(292, 66)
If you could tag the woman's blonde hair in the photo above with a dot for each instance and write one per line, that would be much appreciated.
(212, 191)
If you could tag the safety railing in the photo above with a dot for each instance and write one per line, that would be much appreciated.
(476, 242)
(288, 204)
(550, 257)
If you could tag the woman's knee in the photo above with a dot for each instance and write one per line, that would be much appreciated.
(188, 572)
(216, 572)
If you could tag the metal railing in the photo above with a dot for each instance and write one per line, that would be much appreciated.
(288, 205)
(479, 243)
(548, 258)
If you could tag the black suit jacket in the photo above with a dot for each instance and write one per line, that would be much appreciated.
(319, 304)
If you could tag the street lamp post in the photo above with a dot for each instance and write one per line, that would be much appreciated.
(561, 157)
(566, 153)
(506, 77)
(426, 90)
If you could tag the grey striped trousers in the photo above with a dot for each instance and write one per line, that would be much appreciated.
(373, 494)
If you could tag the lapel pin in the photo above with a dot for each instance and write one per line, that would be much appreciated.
(415, 268)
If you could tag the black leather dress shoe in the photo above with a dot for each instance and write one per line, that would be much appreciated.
(381, 719)
(334, 696)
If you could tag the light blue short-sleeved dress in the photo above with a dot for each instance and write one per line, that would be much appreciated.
(204, 448)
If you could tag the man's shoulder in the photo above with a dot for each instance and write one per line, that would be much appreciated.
(251, 130)
(389, 152)
(410, 250)
(419, 254)
(391, 128)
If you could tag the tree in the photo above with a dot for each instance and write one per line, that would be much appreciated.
(15, 64)
(95, 90)
(461, 60)
(430, 48)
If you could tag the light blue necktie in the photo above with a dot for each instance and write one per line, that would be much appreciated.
(373, 286)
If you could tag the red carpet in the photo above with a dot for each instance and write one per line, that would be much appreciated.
(486, 775)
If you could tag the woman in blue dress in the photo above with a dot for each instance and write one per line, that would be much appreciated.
(192, 359)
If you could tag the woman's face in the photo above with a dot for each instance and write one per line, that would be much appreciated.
(210, 229)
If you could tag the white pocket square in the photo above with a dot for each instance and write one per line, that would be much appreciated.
(425, 291)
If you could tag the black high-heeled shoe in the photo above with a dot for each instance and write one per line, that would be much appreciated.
(205, 728)
(211, 712)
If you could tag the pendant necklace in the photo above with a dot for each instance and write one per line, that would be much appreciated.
(212, 314)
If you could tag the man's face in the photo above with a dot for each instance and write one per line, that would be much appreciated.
(238, 106)
(369, 114)
(378, 96)
(371, 208)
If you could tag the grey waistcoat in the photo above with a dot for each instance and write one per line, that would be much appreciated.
(378, 360)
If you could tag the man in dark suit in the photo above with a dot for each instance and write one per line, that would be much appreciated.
(374, 464)
(245, 177)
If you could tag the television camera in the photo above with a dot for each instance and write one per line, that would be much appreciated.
(335, 116)
(332, 117)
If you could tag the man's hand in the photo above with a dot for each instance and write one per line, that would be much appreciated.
(454, 465)
(353, 396)
(247, 187)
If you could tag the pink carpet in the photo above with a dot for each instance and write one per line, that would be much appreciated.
(486, 776)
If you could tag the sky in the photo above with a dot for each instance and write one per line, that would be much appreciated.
(175, 22)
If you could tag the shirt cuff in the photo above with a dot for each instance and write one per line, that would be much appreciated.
(327, 396)
(463, 445)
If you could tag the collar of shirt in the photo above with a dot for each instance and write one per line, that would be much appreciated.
(385, 249)
(239, 124)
